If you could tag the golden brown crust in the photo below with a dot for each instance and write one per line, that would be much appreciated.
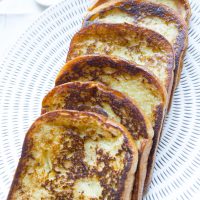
(151, 162)
(122, 36)
(141, 173)
(149, 10)
(93, 67)
(63, 119)
(188, 11)
(91, 97)
(180, 3)
(90, 68)
(95, 97)
(73, 70)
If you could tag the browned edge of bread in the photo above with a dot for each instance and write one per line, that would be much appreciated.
(140, 10)
(75, 69)
(76, 95)
(105, 31)
(83, 92)
(59, 118)
(99, 4)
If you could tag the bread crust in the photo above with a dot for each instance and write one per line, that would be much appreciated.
(181, 3)
(149, 10)
(95, 97)
(90, 96)
(122, 35)
(63, 118)
(77, 69)
(143, 158)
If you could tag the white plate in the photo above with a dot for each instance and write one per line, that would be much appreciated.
(47, 2)
(29, 71)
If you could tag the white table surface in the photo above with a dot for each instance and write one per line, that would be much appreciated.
(15, 17)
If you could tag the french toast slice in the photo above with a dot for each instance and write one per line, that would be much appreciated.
(131, 80)
(139, 45)
(181, 7)
(75, 155)
(152, 16)
(95, 97)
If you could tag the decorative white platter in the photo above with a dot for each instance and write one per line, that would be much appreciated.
(28, 73)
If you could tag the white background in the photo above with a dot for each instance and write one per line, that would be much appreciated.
(15, 17)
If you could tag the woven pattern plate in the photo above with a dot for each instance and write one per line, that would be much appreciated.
(28, 73)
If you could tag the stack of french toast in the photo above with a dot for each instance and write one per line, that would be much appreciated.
(101, 124)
